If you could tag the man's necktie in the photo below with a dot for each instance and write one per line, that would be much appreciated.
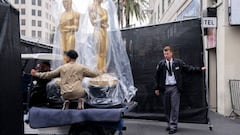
(169, 68)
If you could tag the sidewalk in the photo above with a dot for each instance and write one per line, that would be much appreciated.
(221, 126)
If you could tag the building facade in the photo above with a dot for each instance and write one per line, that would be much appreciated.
(164, 11)
(37, 21)
(221, 44)
(223, 62)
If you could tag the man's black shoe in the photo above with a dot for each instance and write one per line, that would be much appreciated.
(168, 128)
(172, 131)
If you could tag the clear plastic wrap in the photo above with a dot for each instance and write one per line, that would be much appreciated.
(116, 84)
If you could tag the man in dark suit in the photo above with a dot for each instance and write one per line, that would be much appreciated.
(169, 81)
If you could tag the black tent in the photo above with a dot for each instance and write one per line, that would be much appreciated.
(144, 46)
(11, 111)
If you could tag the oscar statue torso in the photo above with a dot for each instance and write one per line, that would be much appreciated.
(69, 23)
(99, 20)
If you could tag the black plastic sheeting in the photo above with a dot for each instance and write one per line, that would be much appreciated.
(11, 111)
(144, 46)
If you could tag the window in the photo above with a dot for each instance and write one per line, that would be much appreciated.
(23, 11)
(39, 24)
(39, 2)
(33, 22)
(33, 2)
(46, 25)
(54, 28)
(154, 17)
(47, 16)
(46, 36)
(33, 33)
(33, 12)
(23, 22)
(23, 2)
(46, 5)
(50, 17)
(169, 1)
(39, 13)
(191, 11)
(39, 34)
(163, 10)
(16, 1)
(23, 32)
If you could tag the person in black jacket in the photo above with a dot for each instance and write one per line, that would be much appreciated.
(169, 81)
(38, 93)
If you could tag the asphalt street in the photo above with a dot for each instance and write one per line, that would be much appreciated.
(221, 126)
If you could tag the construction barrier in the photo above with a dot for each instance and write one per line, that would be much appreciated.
(235, 95)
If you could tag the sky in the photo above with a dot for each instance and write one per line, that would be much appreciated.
(82, 5)
(79, 5)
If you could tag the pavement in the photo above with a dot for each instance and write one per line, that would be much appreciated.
(221, 126)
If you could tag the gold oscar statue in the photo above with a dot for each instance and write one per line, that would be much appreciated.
(99, 19)
(69, 23)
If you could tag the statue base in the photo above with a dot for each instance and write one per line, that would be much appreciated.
(102, 90)
(104, 80)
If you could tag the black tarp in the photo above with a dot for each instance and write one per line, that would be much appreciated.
(144, 46)
(11, 110)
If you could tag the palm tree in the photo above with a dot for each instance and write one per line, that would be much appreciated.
(130, 9)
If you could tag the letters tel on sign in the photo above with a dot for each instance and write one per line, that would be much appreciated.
(209, 22)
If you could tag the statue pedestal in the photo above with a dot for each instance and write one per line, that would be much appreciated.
(102, 91)
(104, 80)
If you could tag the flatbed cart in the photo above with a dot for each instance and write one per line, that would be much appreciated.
(91, 121)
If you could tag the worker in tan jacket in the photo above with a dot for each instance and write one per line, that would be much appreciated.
(71, 75)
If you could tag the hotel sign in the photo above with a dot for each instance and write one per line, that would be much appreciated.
(209, 22)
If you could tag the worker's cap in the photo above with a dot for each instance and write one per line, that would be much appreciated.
(72, 54)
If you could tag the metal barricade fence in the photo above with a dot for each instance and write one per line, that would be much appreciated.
(235, 95)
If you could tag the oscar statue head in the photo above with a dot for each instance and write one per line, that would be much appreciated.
(67, 4)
